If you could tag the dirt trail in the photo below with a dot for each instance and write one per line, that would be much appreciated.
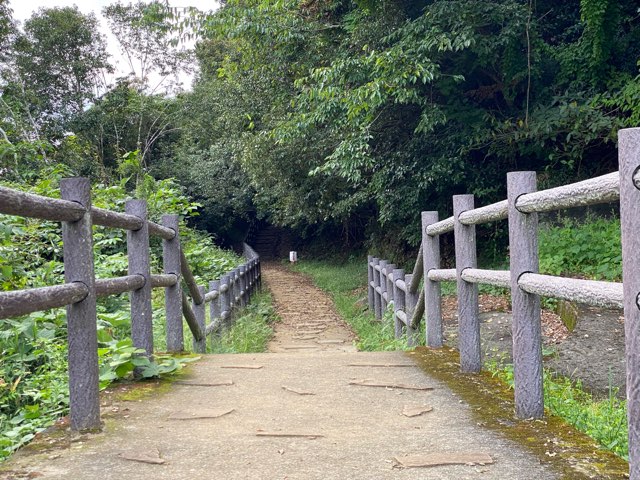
(309, 320)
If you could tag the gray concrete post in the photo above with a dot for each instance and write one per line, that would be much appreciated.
(526, 328)
(369, 281)
(398, 302)
(199, 310)
(629, 160)
(243, 285)
(139, 264)
(411, 300)
(383, 285)
(390, 268)
(468, 321)
(225, 297)
(234, 289)
(259, 275)
(173, 294)
(214, 305)
(250, 281)
(77, 239)
(377, 300)
(432, 294)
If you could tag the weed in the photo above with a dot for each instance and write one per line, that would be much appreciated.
(603, 420)
(250, 331)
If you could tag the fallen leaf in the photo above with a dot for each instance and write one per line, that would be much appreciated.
(297, 390)
(310, 436)
(200, 414)
(414, 411)
(152, 457)
(387, 365)
(213, 384)
(369, 383)
(248, 367)
(437, 459)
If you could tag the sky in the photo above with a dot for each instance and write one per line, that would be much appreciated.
(23, 9)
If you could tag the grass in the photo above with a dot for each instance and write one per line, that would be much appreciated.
(604, 420)
(251, 330)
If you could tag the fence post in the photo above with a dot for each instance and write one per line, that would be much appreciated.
(225, 304)
(370, 282)
(390, 268)
(629, 155)
(526, 328)
(383, 285)
(468, 322)
(173, 294)
(377, 301)
(432, 295)
(139, 264)
(259, 274)
(249, 280)
(77, 238)
(199, 310)
(214, 306)
(398, 301)
(235, 291)
(411, 300)
(243, 285)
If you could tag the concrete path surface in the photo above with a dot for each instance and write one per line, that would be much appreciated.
(319, 426)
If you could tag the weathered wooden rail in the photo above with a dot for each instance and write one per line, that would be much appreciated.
(386, 283)
(81, 289)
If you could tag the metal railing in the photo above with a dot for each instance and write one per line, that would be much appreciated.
(81, 288)
(386, 283)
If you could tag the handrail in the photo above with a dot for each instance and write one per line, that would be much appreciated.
(22, 302)
(79, 294)
(189, 279)
(520, 209)
(14, 202)
(603, 189)
(108, 218)
(443, 226)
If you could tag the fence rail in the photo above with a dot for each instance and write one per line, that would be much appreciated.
(527, 285)
(81, 288)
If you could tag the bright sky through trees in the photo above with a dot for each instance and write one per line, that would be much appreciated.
(23, 9)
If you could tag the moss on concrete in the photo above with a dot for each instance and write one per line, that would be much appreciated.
(554, 442)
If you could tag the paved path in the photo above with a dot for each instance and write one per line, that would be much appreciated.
(359, 429)
(309, 321)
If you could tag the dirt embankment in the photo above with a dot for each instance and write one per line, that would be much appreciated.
(592, 353)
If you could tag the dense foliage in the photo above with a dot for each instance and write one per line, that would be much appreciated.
(337, 118)
(352, 117)
(33, 354)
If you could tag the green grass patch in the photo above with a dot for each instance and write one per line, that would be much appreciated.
(591, 248)
(251, 330)
(604, 420)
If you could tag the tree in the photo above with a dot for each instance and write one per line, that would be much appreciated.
(60, 59)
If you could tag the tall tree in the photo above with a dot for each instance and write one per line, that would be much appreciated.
(60, 61)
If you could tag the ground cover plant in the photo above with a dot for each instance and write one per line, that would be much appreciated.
(251, 329)
(33, 352)
(603, 419)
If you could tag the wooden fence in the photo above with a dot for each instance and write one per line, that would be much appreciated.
(386, 283)
(81, 288)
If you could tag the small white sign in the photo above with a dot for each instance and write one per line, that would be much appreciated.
(293, 257)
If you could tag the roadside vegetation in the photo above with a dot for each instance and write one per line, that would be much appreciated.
(251, 330)
(33, 349)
